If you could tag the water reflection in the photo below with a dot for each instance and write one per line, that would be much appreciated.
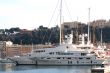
(11, 68)
(6, 67)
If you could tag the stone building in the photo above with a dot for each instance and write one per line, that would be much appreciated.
(8, 49)
(76, 27)
(99, 23)
(17, 50)
(71, 25)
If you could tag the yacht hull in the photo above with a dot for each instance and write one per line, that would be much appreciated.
(36, 61)
(69, 62)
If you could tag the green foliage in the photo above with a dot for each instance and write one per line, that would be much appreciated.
(44, 35)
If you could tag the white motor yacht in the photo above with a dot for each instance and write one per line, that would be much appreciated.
(67, 54)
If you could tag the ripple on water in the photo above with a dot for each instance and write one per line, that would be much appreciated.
(11, 68)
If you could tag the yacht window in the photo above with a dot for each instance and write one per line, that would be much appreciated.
(42, 57)
(58, 58)
(87, 58)
(69, 62)
(80, 58)
(83, 54)
(61, 53)
(40, 51)
(85, 48)
(48, 58)
(69, 58)
(92, 52)
(29, 54)
(58, 53)
(88, 47)
(67, 47)
(51, 53)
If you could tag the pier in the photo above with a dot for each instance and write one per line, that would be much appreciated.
(105, 69)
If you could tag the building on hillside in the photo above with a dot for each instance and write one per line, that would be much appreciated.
(108, 23)
(17, 50)
(71, 25)
(99, 23)
(26, 31)
(76, 27)
(8, 49)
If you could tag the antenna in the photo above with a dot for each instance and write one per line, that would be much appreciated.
(60, 22)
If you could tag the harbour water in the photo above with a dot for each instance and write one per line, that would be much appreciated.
(11, 68)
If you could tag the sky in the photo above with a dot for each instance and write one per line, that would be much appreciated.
(30, 14)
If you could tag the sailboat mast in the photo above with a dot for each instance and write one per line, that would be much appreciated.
(60, 22)
(89, 27)
(101, 36)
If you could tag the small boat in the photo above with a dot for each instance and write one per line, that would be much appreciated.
(5, 61)
(22, 60)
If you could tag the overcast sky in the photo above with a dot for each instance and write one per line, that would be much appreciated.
(30, 14)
